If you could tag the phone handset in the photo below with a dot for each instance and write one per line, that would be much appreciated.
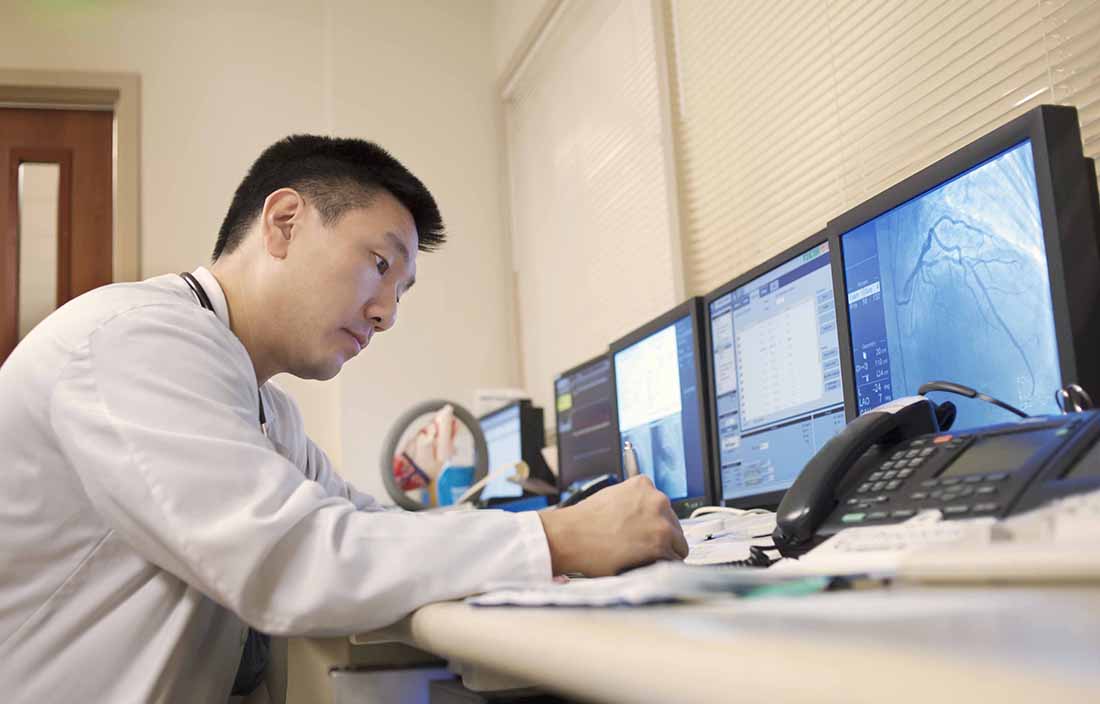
(812, 497)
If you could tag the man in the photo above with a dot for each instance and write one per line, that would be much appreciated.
(160, 496)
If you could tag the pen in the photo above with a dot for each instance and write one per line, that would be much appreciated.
(630, 460)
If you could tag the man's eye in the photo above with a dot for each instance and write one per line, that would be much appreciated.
(382, 265)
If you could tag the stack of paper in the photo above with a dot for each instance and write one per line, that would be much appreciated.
(657, 583)
(721, 538)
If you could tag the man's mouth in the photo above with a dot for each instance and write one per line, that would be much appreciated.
(362, 340)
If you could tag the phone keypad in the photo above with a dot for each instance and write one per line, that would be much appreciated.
(948, 494)
(911, 480)
(942, 493)
(891, 476)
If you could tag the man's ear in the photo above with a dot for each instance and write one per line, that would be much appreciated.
(283, 209)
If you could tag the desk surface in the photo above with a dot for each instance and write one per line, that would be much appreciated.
(880, 645)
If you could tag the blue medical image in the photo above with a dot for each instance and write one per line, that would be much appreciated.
(659, 449)
(954, 285)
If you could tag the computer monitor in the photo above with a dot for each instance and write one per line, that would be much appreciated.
(775, 375)
(513, 433)
(660, 404)
(981, 269)
(587, 443)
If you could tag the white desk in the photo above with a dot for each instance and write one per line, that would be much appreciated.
(882, 646)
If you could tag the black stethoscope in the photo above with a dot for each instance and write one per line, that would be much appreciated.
(204, 301)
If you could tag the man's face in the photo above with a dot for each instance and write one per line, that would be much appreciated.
(342, 284)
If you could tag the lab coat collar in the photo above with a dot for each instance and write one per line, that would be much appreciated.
(214, 293)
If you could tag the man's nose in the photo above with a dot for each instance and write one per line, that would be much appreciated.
(383, 323)
(382, 313)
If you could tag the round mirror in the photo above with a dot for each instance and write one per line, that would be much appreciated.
(433, 453)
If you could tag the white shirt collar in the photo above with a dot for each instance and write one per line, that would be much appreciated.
(214, 293)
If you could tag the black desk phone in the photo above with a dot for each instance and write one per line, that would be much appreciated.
(894, 461)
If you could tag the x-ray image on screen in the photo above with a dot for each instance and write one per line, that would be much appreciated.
(656, 398)
(659, 454)
(954, 285)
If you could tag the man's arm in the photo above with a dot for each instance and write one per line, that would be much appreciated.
(311, 459)
(319, 468)
(639, 516)
(623, 526)
(157, 417)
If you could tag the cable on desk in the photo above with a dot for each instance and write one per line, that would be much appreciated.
(757, 558)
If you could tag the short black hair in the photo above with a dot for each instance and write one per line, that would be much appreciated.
(335, 175)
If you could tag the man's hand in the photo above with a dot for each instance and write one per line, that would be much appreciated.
(623, 526)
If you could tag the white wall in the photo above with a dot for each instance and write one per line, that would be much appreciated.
(418, 75)
(513, 24)
(220, 81)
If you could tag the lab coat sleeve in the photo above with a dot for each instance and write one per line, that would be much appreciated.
(315, 462)
(156, 413)
(320, 470)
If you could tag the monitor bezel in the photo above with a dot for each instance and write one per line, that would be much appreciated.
(1069, 235)
(606, 357)
(693, 308)
(1090, 176)
(769, 499)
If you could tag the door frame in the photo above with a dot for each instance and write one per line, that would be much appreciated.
(90, 90)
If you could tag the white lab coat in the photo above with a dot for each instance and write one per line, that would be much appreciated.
(145, 517)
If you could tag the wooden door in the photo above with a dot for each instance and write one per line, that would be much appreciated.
(80, 142)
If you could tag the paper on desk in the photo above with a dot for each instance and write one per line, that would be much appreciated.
(658, 583)
(1053, 543)
(746, 526)
(1070, 519)
(723, 549)
(719, 550)
(879, 550)
(1016, 563)
(716, 539)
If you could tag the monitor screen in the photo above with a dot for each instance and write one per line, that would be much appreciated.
(657, 401)
(587, 446)
(504, 439)
(777, 386)
(953, 285)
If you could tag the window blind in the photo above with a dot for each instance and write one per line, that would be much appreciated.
(788, 113)
(592, 233)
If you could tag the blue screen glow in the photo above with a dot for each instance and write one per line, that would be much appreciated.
(776, 383)
(587, 444)
(657, 397)
(953, 285)
(504, 440)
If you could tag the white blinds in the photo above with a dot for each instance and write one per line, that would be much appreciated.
(1073, 37)
(591, 235)
(790, 112)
